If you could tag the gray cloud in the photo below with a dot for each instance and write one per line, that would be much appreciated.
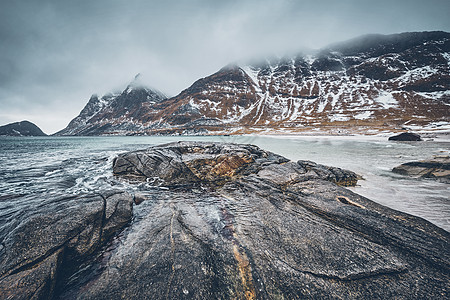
(54, 53)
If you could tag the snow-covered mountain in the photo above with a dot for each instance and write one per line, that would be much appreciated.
(120, 113)
(371, 83)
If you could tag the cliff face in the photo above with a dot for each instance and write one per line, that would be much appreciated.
(376, 81)
(23, 128)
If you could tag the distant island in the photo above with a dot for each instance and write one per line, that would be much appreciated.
(22, 128)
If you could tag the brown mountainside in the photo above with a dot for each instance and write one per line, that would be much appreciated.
(371, 83)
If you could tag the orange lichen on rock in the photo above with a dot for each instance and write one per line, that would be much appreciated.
(218, 168)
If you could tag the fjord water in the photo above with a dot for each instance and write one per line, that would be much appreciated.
(34, 169)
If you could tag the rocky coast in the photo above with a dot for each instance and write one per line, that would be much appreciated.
(223, 221)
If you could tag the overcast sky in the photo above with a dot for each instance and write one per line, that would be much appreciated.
(55, 53)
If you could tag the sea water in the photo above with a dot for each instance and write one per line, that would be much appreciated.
(34, 169)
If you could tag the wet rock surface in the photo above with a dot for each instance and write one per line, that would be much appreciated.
(436, 168)
(236, 222)
(36, 252)
(223, 221)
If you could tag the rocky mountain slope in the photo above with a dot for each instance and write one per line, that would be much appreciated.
(23, 128)
(118, 113)
(371, 83)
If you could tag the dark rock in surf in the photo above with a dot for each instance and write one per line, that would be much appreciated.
(406, 137)
(436, 168)
(235, 221)
(37, 250)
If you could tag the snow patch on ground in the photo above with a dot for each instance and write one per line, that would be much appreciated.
(193, 104)
(253, 74)
(310, 59)
(435, 95)
(446, 55)
(364, 115)
(322, 106)
(386, 100)
(417, 74)
(339, 117)
(208, 104)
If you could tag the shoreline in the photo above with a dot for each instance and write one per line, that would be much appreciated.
(437, 137)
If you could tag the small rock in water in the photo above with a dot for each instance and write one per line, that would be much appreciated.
(406, 137)
(437, 168)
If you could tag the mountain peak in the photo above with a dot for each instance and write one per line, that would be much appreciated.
(123, 109)
(136, 83)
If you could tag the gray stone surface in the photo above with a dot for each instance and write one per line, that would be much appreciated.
(237, 222)
(63, 230)
(223, 221)
(436, 168)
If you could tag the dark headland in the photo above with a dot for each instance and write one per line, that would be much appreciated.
(223, 221)
(23, 128)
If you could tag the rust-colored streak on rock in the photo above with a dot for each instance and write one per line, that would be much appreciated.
(245, 271)
(243, 263)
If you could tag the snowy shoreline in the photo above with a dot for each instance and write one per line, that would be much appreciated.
(427, 136)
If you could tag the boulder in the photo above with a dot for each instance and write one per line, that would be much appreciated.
(37, 251)
(436, 168)
(405, 137)
(228, 221)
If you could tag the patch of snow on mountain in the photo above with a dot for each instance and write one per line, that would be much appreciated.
(338, 117)
(106, 99)
(209, 104)
(295, 111)
(364, 115)
(417, 74)
(446, 55)
(253, 74)
(386, 100)
(310, 59)
(435, 95)
(193, 104)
